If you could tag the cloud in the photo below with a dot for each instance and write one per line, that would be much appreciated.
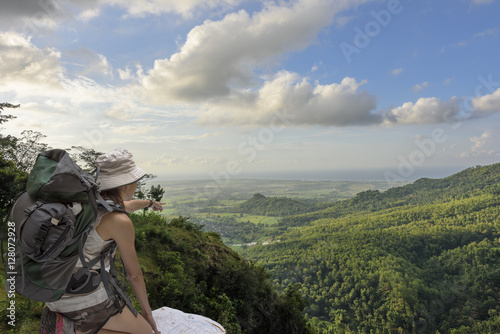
(482, 2)
(31, 74)
(221, 57)
(425, 111)
(448, 81)
(397, 71)
(187, 160)
(133, 129)
(185, 8)
(487, 32)
(35, 16)
(29, 67)
(32, 17)
(89, 63)
(125, 74)
(218, 67)
(484, 145)
(287, 100)
(419, 87)
(486, 105)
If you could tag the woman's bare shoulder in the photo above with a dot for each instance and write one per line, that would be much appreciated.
(116, 218)
(114, 223)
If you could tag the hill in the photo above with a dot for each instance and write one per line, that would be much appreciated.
(464, 184)
(193, 271)
(272, 206)
(421, 258)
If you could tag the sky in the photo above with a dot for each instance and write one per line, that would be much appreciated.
(308, 89)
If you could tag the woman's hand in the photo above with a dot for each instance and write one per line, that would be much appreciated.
(157, 206)
(149, 318)
(138, 204)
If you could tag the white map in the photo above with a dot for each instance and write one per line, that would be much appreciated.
(172, 321)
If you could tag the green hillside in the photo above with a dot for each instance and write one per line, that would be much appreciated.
(273, 206)
(195, 272)
(470, 182)
(423, 258)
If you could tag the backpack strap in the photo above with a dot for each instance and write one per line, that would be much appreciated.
(111, 277)
(75, 285)
(99, 198)
(103, 202)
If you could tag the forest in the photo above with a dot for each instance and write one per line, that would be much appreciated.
(422, 258)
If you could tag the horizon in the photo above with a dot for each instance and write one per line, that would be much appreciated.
(368, 174)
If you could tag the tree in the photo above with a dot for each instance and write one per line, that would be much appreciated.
(156, 193)
(85, 157)
(12, 182)
(140, 193)
(6, 118)
(27, 149)
(12, 178)
(7, 143)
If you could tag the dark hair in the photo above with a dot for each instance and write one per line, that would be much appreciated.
(113, 195)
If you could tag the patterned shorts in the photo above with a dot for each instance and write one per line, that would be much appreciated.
(92, 319)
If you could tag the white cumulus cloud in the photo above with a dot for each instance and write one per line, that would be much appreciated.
(484, 145)
(27, 66)
(425, 111)
(487, 104)
(287, 100)
(219, 57)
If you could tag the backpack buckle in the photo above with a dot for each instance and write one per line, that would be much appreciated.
(29, 210)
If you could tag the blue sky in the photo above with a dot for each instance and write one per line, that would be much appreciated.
(232, 88)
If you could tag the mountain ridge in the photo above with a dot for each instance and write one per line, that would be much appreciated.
(451, 187)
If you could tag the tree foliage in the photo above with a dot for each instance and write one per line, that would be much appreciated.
(195, 272)
(27, 149)
(85, 157)
(156, 193)
(141, 192)
(6, 118)
(12, 177)
(272, 206)
(422, 258)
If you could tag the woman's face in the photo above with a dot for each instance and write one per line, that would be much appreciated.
(128, 191)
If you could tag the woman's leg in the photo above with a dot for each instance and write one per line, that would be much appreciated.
(107, 331)
(103, 331)
(126, 322)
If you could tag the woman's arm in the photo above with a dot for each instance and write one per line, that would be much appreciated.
(119, 227)
(137, 204)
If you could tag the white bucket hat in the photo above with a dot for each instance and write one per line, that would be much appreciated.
(117, 168)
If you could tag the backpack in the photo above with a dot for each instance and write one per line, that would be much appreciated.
(52, 220)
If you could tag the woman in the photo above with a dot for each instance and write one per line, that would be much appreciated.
(95, 312)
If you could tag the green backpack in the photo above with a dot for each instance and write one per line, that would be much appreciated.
(52, 221)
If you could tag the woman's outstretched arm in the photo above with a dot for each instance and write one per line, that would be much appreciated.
(137, 204)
